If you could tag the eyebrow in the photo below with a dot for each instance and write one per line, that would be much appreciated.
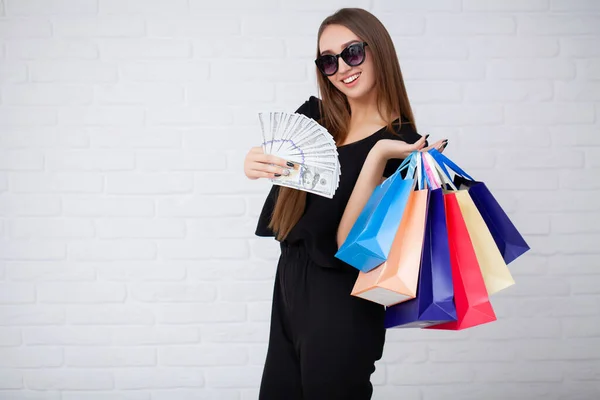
(343, 46)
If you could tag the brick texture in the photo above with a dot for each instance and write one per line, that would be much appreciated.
(128, 265)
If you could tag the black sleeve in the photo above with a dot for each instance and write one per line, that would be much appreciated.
(310, 108)
(391, 167)
(407, 134)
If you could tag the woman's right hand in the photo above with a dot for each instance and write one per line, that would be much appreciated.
(260, 165)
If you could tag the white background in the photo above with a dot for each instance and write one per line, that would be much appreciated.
(128, 265)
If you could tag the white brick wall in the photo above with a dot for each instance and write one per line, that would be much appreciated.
(128, 265)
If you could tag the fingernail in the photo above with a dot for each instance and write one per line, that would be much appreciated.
(426, 136)
(290, 164)
(277, 175)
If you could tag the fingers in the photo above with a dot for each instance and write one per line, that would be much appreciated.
(271, 159)
(255, 174)
(440, 145)
(263, 174)
(261, 165)
(257, 155)
(418, 145)
(263, 170)
(274, 169)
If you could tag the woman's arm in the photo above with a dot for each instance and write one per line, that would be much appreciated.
(369, 177)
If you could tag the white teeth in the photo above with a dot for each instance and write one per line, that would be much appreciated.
(351, 78)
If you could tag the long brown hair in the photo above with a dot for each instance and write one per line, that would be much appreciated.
(334, 107)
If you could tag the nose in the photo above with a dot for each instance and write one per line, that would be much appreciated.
(343, 68)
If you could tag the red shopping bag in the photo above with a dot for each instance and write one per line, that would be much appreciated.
(471, 298)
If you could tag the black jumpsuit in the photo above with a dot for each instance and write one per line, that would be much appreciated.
(323, 342)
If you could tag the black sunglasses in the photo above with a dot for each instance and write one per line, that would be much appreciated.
(352, 55)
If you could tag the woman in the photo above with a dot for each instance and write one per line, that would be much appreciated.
(324, 342)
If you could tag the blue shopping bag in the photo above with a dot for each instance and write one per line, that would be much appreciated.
(434, 303)
(506, 236)
(369, 241)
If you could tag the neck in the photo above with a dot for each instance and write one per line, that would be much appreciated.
(364, 109)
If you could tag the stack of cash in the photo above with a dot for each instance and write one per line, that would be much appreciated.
(308, 145)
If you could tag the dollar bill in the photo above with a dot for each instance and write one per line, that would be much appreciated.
(301, 140)
(265, 127)
(311, 178)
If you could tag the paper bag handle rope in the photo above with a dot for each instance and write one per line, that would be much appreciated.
(440, 176)
(444, 162)
(418, 171)
(409, 162)
(427, 183)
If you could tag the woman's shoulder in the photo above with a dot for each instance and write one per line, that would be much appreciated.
(310, 108)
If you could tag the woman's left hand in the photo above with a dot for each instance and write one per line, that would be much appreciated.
(440, 145)
(386, 149)
(390, 148)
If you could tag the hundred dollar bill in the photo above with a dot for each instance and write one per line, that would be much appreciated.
(310, 178)
(321, 162)
(294, 126)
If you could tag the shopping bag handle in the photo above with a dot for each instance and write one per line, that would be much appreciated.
(404, 162)
(408, 162)
(431, 178)
(418, 171)
(439, 175)
(444, 162)
(428, 181)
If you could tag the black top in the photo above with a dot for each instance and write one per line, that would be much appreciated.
(318, 225)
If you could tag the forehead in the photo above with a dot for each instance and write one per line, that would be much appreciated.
(334, 38)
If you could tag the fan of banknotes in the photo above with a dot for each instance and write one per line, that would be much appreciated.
(301, 140)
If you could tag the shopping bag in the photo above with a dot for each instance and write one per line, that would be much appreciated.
(507, 238)
(494, 269)
(509, 241)
(370, 238)
(496, 274)
(395, 280)
(434, 303)
(472, 302)
(471, 297)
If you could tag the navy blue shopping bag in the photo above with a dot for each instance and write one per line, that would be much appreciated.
(508, 239)
(434, 303)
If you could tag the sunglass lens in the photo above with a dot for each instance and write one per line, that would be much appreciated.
(328, 64)
(354, 54)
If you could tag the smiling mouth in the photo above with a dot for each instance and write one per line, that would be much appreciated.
(351, 78)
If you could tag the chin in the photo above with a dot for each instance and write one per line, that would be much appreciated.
(359, 91)
(356, 93)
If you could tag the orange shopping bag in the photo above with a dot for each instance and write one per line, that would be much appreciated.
(395, 280)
